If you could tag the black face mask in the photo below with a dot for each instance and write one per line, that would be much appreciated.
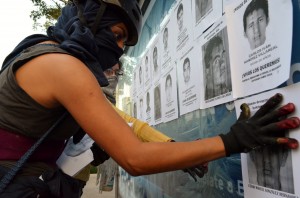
(100, 51)
(110, 90)
(108, 50)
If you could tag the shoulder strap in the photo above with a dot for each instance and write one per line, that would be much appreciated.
(7, 178)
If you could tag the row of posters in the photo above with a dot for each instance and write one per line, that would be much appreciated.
(216, 58)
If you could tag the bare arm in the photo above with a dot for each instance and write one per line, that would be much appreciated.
(64, 80)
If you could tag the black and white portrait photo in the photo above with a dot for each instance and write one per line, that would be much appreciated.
(217, 77)
(271, 167)
(202, 8)
(157, 103)
(255, 21)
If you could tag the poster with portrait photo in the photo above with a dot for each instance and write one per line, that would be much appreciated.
(134, 83)
(227, 3)
(205, 13)
(169, 96)
(274, 171)
(182, 26)
(134, 112)
(147, 70)
(140, 78)
(140, 107)
(149, 106)
(155, 56)
(158, 108)
(188, 74)
(260, 37)
(167, 39)
(215, 66)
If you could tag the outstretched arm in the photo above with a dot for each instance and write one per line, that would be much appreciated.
(64, 80)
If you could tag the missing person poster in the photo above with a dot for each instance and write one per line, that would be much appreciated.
(140, 107)
(215, 66)
(169, 96)
(188, 72)
(272, 171)
(149, 106)
(145, 62)
(182, 26)
(167, 38)
(158, 108)
(205, 13)
(134, 83)
(260, 37)
(155, 53)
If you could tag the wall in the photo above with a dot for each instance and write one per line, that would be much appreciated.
(224, 178)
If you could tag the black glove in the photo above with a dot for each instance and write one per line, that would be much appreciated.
(99, 154)
(264, 128)
(196, 171)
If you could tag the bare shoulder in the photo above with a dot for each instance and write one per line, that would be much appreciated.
(50, 78)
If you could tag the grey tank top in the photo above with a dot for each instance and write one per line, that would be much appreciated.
(19, 112)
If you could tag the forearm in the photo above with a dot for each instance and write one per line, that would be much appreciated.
(152, 158)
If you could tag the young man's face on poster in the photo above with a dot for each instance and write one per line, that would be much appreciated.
(186, 71)
(168, 88)
(255, 30)
(218, 65)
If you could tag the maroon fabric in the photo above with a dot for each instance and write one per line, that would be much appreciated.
(13, 146)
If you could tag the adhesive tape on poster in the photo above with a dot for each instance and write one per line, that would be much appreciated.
(229, 106)
(294, 68)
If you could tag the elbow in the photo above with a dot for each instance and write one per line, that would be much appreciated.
(136, 166)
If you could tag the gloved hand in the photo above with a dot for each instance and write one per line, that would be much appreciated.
(264, 128)
(99, 154)
(196, 171)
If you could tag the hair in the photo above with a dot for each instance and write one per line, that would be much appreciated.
(255, 5)
(214, 42)
(166, 30)
(168, 78)
(180, 8)
(186, 60)
(155, 50)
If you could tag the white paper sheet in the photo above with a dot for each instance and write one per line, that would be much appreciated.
(167, 38)
(155, 54)
(279, 176)
(169, 96)
(158, 108)
(188, 72)
(260, 54)
(76, 156)
(215, 66)
(149, 106)
(205, 13)
(182, 26)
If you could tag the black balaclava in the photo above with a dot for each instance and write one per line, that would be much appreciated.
(73, 36)
(99, 52)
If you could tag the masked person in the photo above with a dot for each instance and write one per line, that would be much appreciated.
(48, 75)
(142, 130)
